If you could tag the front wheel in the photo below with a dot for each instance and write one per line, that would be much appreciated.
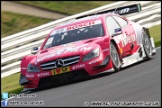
(115, 57)
(147, 46)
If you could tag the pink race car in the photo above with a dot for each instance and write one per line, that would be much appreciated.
(94, 44)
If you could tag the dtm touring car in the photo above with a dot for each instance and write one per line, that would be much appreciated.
(92, 44)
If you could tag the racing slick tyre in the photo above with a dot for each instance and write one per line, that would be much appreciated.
(147, 46)
(115, 57)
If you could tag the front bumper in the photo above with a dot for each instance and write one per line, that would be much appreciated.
(23, 80)
(88, 68)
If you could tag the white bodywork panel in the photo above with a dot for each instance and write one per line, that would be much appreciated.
(133, 58)
(126, 61)
(138, 32)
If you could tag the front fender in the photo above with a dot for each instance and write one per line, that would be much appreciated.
(25, 61)
(138, 31)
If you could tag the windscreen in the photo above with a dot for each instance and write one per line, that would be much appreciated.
(76, 32)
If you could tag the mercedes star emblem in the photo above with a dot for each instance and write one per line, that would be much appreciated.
(59, 63)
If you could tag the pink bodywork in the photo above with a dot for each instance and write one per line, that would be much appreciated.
(82, 48)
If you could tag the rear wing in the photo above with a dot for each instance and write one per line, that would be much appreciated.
(120, 10)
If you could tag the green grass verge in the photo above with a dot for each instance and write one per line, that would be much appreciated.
(12, 23)
(155, 32)
(67, 7)
(11, 83)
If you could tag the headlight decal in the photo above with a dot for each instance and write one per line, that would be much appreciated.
(32, 68)
(94, 53)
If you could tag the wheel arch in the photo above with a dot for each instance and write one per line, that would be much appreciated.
(138, 32)
(117, 68)
(116, 45)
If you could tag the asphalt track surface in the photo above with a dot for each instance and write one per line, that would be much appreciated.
(139, 82)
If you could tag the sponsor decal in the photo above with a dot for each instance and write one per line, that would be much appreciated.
(125, 40)
(94, 61)
(118, 39)
(123, 11)
(23, 68)
(78, 66)
(29, 75)
(128, 39)
(81, 25)
(65, 50)
(68, 44)
(77, 26)
(60, 70)
(107, 49)
(43, 74)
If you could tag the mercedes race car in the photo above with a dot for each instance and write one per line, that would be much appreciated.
(102, 42)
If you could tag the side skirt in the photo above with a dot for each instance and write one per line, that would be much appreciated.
(139, 55)
(107, 71)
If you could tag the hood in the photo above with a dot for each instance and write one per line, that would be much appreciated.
(66, 50)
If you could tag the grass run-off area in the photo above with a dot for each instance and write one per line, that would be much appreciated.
(12, 23)
(67, 7)
(155, 32)
(11, 83)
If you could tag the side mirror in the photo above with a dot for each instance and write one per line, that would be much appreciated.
(34, 50)
(117, 31)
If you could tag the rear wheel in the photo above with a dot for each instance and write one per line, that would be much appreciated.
(147, 46)
(115, 57)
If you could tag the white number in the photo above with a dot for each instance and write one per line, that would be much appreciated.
(124, 10)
